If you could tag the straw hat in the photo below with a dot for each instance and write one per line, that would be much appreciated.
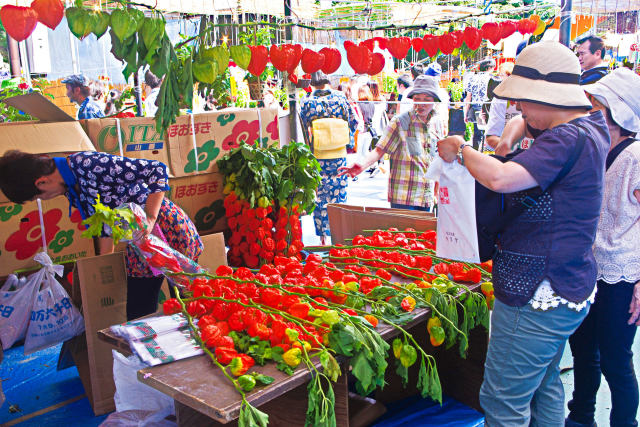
(618, 91)
(546, 73)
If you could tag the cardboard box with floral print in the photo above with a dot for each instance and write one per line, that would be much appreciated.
(21, 234)
(201, 197)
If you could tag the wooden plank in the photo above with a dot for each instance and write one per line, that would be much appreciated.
(199, 384)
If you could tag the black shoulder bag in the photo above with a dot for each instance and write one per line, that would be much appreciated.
(491, 216)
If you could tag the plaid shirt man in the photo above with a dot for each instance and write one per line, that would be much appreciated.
(410, 148)
(89, 109)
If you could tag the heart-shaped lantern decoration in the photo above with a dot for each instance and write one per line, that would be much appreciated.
(472, 37)
(399, 47)
(430, 44)
(278, 56)
(294, 54)
(312, 61)
(259, 59)
(18, 21)
(447, 43)
(332, 59)
(416, 43)
(359, 57)
(50, 12)
(377, 63)
(491, 31)
(507, 28)
(347, 44)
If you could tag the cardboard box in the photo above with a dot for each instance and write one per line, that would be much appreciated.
(347, 221)
(138, 138)
(200, 196)
(216, 133)
(56, 133)
(21, 234)
(100, 291)
(102, 283)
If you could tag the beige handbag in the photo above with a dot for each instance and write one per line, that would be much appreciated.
(330, 138)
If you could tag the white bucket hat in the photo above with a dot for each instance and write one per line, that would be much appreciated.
(546, 73)
(619, 91)
(425, 85)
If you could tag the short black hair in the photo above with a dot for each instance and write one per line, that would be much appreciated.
(595, 43)
(485, 64)
(404, 80)
(417, 70)
(19, 172)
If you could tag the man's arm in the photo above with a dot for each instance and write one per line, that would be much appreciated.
(358, 167)
(492, 173)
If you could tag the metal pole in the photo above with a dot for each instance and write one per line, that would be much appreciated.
(14, 56)
(565, 22)
(291, 90)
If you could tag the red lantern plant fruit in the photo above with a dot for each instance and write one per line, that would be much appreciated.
(50, 12)
(19, 21)
(430, 44)
(416, 43)
(399, 47)
(447, 43)
(472, 37)
(359, 57)
(491, 31)
(332, 59)
(312, 61)
(507, 28)
(259, 59)
(377, 63)
(458, 38)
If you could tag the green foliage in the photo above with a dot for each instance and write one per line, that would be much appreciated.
(11, 87)
(120, 222)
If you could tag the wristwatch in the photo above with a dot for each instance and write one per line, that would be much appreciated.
(459, 155)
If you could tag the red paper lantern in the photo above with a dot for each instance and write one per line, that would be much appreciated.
(399, 47)
(370, 43)
(285, 57)
(416, 43)
(332, 59)
(377, 64)
(446, 43)
(527, 26)
(359, 57)
(312, 61)
(50, 12)
(382, 42)
(19, 21)
(458, 38)
(430, 44)
(472, 37)
(491, 31)
(348, 43)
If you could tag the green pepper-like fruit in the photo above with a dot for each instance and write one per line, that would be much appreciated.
(152, 31)
(246, 382)
(397, 347)
(123, 24)
(99, 22)
(408, 355)
(205, 71)
(79, 21)
(241, 55)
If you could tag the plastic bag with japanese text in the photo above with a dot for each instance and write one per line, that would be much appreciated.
(53, 317)
(457, 233)
(16, 301)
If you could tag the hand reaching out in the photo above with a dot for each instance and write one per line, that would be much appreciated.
(634, 307)
(353, 170)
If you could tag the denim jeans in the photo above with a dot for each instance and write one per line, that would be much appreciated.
(409, 207)
(602, 346)
(522, 384)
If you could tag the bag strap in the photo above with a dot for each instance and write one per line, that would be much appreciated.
(529, 201)
(613, 154)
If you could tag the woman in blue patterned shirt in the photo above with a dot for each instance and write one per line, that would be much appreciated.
(81, 177)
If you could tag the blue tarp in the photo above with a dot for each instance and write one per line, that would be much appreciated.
(31, 383)
(418, 412)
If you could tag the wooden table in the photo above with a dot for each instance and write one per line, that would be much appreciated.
(204, 396)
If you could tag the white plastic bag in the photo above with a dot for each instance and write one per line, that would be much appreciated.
(54, 318)
(137, 418)
(131, 394)
(16, 301)
(457, 232)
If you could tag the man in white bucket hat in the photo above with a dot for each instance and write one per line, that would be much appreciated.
(544, 272)
(602, 344)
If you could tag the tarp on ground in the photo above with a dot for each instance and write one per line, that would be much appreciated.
(418, 412)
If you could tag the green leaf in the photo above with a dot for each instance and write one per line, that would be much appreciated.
(403, 373)
(330, 365)
(263, 379)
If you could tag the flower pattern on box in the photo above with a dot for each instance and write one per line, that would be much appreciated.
(243, 131)
(28, 239)
(76, 218)
(61, 241)
(6, 212)
(207, 217)
(225, 119)
(273, 130)
(206, 154)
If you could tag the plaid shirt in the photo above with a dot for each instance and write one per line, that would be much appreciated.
(411, 151)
